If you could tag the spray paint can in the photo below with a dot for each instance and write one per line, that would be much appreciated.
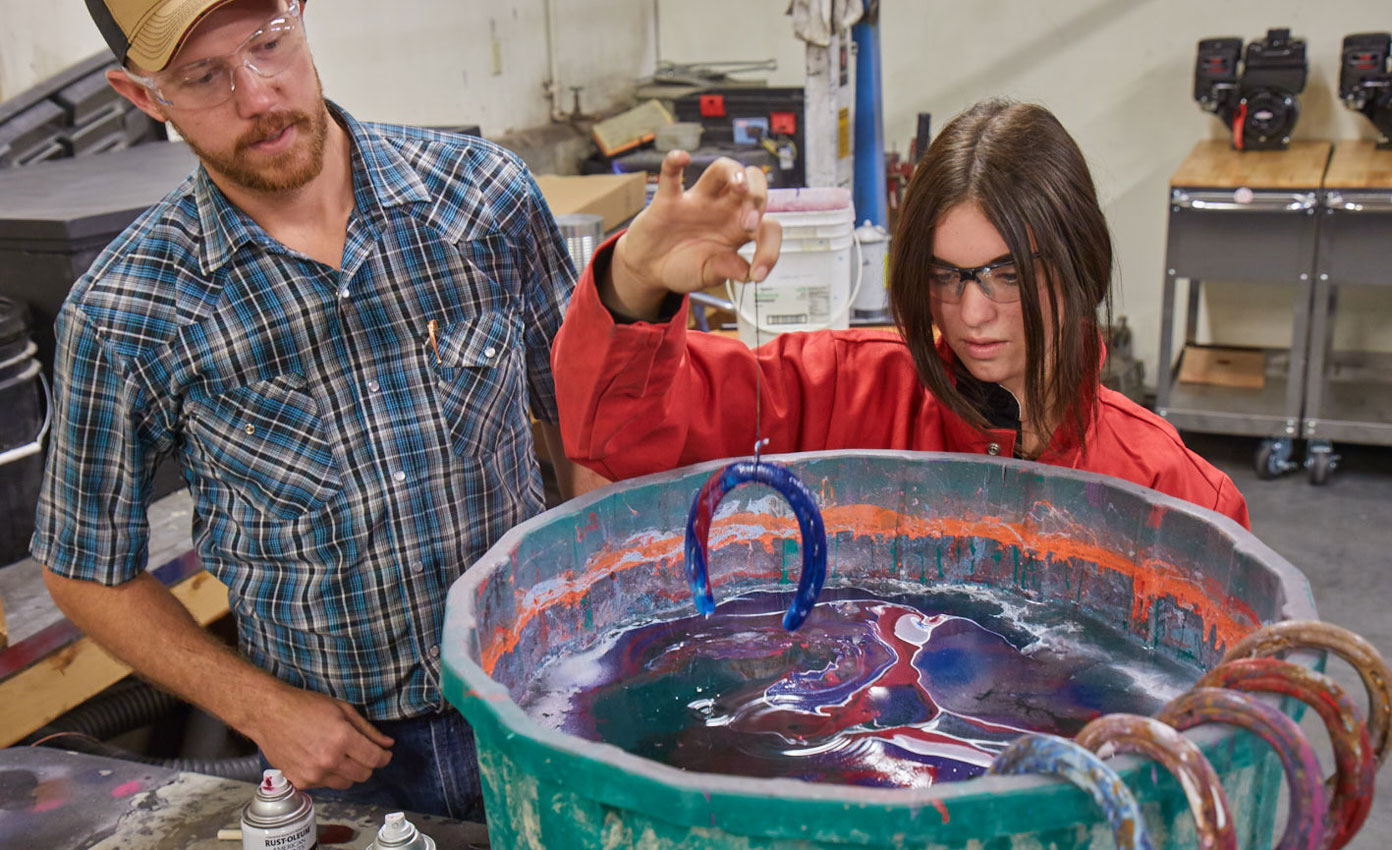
(279, 817)
(397, 833)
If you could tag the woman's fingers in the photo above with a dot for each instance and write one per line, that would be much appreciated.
(727, 265)
(767, 243)
(669, 181)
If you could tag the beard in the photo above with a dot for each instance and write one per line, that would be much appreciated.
(283, 172)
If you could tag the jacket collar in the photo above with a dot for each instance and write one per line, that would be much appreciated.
(1002, 410)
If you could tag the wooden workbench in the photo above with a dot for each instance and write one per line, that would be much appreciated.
(1214, 164)
(1359, 164)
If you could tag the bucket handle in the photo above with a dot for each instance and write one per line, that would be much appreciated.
(21, 452)
(844, 312)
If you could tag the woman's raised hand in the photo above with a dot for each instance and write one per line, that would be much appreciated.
(689, 240)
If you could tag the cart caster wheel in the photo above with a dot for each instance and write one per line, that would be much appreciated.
(1273, 459)
(1320, 460)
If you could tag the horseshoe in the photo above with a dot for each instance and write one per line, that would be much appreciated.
(804, 507)
(1060, 757)
(1309, 805)
(1351, 787)
(1146, 736)
(1313, 634)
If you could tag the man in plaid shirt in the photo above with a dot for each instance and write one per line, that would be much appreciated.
(339, 330)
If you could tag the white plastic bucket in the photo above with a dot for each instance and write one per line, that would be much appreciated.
(811, 285)
(872, 298)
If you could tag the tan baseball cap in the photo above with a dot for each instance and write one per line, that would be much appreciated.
(148, 32)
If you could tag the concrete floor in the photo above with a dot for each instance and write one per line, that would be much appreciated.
(1340, 536)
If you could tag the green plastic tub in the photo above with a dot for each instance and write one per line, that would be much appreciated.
(1179, 579)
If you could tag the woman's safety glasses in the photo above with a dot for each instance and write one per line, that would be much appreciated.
(210, 82)
(998, 281)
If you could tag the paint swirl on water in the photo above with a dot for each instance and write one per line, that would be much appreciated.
(894, 691)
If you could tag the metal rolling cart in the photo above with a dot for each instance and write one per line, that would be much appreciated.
(1348, 394)
(1245, 216)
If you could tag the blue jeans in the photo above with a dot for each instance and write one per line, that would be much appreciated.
(434, 770)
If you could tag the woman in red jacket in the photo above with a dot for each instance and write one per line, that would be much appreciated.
(1001, 247)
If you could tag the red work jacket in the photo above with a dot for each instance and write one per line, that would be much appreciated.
(646, 397)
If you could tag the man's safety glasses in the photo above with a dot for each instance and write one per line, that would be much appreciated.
(210, 82)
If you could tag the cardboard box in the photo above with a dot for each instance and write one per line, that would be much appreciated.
(631, 128)
(613, 197)
(1244, 368)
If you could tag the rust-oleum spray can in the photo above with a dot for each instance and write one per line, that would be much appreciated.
(279, 817)
(397, 833)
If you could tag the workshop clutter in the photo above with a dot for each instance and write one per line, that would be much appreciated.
(1324, 814)
(24, 397)
(872, 298)
(815, 280)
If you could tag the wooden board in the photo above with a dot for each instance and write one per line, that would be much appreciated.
(78, 671)
(1358, 164)
(1224, 367)
(1214, 164)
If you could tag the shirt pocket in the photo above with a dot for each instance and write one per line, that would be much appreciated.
(266, 442)
(480, 382)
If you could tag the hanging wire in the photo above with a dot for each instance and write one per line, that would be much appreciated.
(759, 439)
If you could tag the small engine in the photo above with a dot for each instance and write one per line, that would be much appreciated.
(1259, 102)
(1365, 83)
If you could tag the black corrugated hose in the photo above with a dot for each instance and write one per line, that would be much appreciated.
(125, 707)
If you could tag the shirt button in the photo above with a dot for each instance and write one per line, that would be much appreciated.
(250, 429)
(343, 293)
(993, 449)
(434, 652)
(490, 351)
(418, 567)
(374, 386)
(399, 476)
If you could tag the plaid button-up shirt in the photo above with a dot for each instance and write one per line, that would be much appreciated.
(345, 466)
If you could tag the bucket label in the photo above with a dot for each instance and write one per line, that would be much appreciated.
(794, 305)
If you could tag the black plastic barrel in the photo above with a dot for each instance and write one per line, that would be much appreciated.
(24, 409)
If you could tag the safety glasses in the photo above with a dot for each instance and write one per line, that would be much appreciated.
(998, 281)
(210, 82)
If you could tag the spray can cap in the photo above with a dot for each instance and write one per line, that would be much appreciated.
(273, 781)
(396, 831)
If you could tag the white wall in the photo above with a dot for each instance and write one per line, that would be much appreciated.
(1119, 74)
(413, 61)
(39, 38)
(433, 61)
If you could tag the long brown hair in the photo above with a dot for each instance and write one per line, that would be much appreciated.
(1026, 174)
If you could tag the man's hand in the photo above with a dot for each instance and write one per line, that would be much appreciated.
(316, 740)
(685, 241)
(312, 738)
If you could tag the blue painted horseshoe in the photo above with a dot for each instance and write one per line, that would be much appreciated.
(1061, 757)
(809, 519)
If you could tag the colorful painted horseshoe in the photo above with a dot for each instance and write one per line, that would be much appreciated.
(1312, 634)
(1146, 736)
(809, 519)
(1351, 787)
(1309, 805)
(1061, 757)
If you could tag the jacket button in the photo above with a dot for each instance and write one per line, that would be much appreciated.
(993, 449)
